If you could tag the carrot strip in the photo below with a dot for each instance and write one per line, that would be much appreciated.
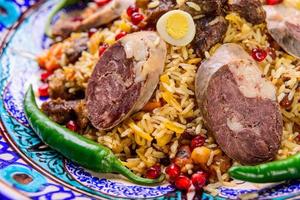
(150, 106)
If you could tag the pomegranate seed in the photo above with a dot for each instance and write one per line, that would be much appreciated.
(102, 48)
(120, 35)
(259, 54)
(72, 126)
(153, 172)
(132, 9)
(285, 102)
(45, 75)
(136, 18)
(43, 90)
(197, 142)
(92, 31)
(199, 180)
(101, 2)
(173, 171)
(273, 2)
(157, 167)
(183, 183)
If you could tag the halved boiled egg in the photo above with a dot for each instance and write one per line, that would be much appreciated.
(176, 27)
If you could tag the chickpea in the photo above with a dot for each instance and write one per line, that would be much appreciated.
(201, 155)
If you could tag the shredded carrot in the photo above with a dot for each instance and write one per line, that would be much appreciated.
(52, 64)
(174, 126)
(165, 79)
(150, 106)
(56, 50)
(42, 59)
(49, 59)
(138, 131)
(168, 97)
(165, 139)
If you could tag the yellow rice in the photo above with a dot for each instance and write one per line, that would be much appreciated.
(146, 137)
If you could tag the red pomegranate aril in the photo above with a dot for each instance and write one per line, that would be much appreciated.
(198, 141)
(273, 2)
(92, 31)
(199, 180)
(259, 54)
(136, 18)
(183, 183)
(173, 171)
(102, 48)
(157, 167)
(72, 126)
(153, 172)
(286, 102)
(132, 9)
(45, 75)
(101, 2)
(43, 90)
(120, 35)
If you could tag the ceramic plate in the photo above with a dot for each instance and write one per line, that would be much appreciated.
(28, 168)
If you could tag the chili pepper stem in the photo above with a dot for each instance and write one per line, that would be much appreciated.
(135, 178)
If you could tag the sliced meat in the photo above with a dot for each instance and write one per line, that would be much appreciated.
(100, 16)
(284, 26)
(62, 111)
(209, 31)
(82, 119)
(239, 106)
(59, 110)
(125, 78)
(203, 7)
(77, 46)
(252, 10)
(153, 14)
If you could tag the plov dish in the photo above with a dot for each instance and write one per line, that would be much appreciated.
(193, 100)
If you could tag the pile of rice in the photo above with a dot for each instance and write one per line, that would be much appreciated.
(147, 137)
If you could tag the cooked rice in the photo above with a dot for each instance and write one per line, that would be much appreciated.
(146, 137)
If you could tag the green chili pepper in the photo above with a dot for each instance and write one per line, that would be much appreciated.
(62, 4)
(75, 147)
(275, 171)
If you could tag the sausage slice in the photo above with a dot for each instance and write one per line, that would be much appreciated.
(284, 26)
(239, 106)
(125, 78)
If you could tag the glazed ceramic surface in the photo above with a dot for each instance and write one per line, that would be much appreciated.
(28, 168)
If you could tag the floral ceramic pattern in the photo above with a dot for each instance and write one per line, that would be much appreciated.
(15, 172)
(40, 173)
(114, 188)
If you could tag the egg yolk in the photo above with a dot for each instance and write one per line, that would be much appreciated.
(177, 26)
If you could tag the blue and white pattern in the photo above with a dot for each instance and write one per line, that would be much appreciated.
(114, 188)
(14, 108)
(46, 174)
(40, 188)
